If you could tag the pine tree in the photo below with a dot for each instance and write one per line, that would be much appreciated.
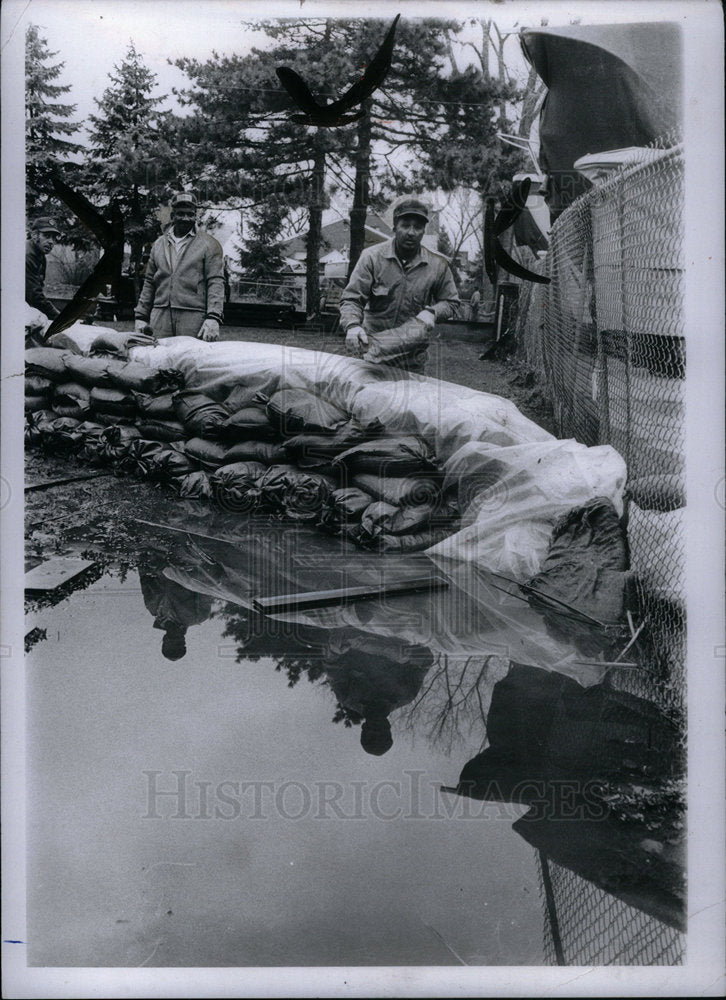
(46, 120)
(132, 158)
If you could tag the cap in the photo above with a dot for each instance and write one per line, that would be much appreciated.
(411, 206)
(45, 225)
(183, 198)
(375, 735)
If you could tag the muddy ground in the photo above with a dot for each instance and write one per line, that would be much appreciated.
(55, 515)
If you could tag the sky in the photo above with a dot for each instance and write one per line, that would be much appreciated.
(91, 36)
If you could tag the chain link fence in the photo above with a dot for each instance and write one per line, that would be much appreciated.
(584, 925)
(607, 337)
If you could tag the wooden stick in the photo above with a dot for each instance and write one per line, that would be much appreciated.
(341, 595)
(46, 483)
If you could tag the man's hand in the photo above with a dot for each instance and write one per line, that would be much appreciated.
(356, 340)
(427, 316)
(209, 330)
(140, 325)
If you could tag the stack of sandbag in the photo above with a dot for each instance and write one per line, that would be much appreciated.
(289, 453)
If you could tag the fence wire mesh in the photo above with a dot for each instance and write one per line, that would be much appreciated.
(607, 338)
(584, 925)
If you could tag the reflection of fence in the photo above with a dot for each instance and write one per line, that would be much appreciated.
(607, 337)
(584, 925)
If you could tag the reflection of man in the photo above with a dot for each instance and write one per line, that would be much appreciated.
(43, 237)
(183, 291)
(174, 609)
(371, 676)
(398, 281)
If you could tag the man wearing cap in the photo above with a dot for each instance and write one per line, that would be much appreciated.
(183, 290)
(43, 237)
(397, 282)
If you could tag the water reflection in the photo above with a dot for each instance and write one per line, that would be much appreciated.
(174, 608)
(598, 768)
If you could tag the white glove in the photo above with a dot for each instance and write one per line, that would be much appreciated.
(356, 339)
(140, 325)
(209, 330)
(427, 316)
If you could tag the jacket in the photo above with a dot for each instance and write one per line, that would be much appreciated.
(197, 282)
(35, 280)
(381, 295)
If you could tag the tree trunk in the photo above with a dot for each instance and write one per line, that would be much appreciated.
(361, 195)
(312, 260)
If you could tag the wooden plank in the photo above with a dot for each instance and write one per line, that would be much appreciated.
(342, 595)
(55, 572)
(45, 483)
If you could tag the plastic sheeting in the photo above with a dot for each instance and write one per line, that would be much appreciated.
(520, 479)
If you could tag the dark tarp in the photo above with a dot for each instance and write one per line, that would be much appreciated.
(609, 87)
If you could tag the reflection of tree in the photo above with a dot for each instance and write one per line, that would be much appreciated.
(454, 701)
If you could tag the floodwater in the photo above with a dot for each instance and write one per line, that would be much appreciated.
(207, 787)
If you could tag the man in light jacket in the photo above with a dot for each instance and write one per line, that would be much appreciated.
(183, 290)
(396, 283)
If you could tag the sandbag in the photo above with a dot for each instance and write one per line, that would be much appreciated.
(92, 448)
(117, 343)
(255, 451)
(294, 410)
(47, 362)
(250, 423)
(117, 402)
(404, 345)
(201, 415)
(32, 434)
(306, 495)
(146, 457)
(209, 455)
(79, 338)
(399, 490)
(161, 430)
(195, 486)
(232, 485)
(659, 492)
(344, 507)
(140, 378)
(34, 404)
(158, 406)
(393, 456)
(311, 450)
(174, 463)
(71, 400)
(61, 434)
(384, 542)
(116, 446)
(92, 372)
(37, 385)
(242, 396)
(111, 419)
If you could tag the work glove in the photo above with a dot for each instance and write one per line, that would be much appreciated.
(141, 326)
(209, 330)
(356, 339)
(427, 316)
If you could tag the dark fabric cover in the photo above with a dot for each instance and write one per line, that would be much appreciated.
(207, 455)
(255, 451)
